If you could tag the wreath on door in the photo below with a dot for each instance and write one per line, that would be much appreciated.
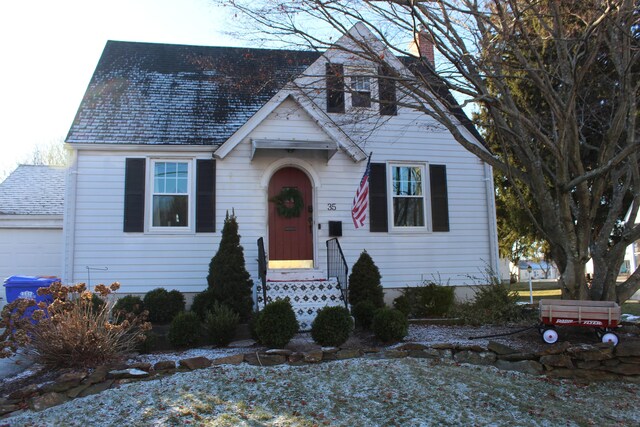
(288, 202)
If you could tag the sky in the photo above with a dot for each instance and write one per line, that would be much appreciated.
(51, 48)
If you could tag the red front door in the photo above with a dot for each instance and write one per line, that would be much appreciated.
(290, 236)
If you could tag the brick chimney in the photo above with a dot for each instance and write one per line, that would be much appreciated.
(425, 46)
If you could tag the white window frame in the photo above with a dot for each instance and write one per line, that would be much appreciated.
(150, 191)
(426, 197)
(351, 73)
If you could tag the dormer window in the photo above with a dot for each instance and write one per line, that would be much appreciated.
(361, 91)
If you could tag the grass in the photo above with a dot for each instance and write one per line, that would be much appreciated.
(369, 392)
(631, 307)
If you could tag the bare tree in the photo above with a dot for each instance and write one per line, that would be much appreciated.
(51, 154)
(575, 151)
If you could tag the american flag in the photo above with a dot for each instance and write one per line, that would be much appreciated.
(361, 199)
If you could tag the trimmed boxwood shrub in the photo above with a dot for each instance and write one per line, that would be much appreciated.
(221, 324)
(128, 304)
(390, 325)
(184, 330)
(364, 282)
(276, 324)
(332, 326)
(163, 306)
(363, 312)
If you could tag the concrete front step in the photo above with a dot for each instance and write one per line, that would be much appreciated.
(307, 297)
(292, 275)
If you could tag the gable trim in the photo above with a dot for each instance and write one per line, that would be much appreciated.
(321, 119)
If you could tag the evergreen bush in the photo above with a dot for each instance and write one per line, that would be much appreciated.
(228, 277)
(363, 312)
(184, 330)
(389, 325)
(276, 324)
(203, 303)
(364, 282)
(492, 304)
(128, 304)
(428, 300)
(221, 324)
(332, 326)
(163, 306)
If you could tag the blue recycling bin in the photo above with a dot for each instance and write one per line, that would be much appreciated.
(27, 287)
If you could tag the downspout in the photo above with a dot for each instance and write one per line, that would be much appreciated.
(493, 226)
(69, 222)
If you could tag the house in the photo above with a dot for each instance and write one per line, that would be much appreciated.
(31, 214)
(169, 138)
(537, 270)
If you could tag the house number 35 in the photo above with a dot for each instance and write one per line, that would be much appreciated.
(331, 206)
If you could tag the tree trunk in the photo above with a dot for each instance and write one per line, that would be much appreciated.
(573, 281)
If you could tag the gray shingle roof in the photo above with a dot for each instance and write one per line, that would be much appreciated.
(33, 190)
(147, 93)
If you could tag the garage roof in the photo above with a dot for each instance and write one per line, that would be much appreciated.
(33, 190)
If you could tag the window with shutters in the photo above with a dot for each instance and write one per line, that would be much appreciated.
(170, 195)
(361, 91)
(335, 88)
(407, 191)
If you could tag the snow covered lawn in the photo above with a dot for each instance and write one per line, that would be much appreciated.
(365, 392)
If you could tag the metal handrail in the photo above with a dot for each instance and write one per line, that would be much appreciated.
(262, 268)
(337, 267)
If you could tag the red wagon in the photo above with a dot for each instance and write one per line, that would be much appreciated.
(603, 316)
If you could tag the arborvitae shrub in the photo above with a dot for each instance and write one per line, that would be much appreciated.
(128, 304)
(363, 312)
(390, 325)
(203, 303)
(276, 324)
(221, 324)
(184, 330)
(97, 303)
(228, 277)
(403, 304)
(364, 282)
(493, 304)
(162, 305)
(332, 326)
(425, 301)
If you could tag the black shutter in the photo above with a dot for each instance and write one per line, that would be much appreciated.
(335, 88)
(387, 94)
(205, 196)
(439, 200)
(378, 218)
(134, 178)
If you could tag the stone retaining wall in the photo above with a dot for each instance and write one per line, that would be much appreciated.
(562, 360)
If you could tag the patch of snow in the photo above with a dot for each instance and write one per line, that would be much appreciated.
(209, 353)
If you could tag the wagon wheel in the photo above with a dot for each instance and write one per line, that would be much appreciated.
(610, 337)
(550, 335)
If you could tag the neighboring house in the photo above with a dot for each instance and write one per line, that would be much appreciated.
(539, 270)
(31, 214)
(169, 138)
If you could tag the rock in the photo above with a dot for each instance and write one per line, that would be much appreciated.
(427, 353)
(587, 353)
(557, 361)
(348, 353)
(234, 359)
(295, 357)
(242, 344)
(75, 392)
(591, 364)
(164, 365)
(630, 359)
(514, 357)
(143, 366)
(96, 388)
(279, 351)
(395, 354)
(97, 376)
(24, 392)
(127, 373)
(65, 382)
(475, 358)
(8, 407)
(446, 354)
(329, 356)
(500, 349)
(411, 346)
(587, 375)
(261, 359)
(194, 363)
(313, 356)
(530, 367)
(623, 369)
(367, 350)
(557, 348)
(628, 348)
(443, 346)
(610, 362)
(47, 400)
(330, 350)
(476, 348)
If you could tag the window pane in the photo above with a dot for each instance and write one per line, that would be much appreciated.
(182, 185)
(171, 185)
(407, 181)
(408, 211)
(170, 211)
